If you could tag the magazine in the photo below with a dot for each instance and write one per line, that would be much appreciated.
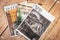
(16, 13)
(36, 23)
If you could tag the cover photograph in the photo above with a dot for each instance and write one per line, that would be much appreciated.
(36, 23)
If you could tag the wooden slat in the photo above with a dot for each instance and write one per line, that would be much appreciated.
(41, 2)
(55, 32)
(33, 1)
(6, 34)
(18, 38)
(9, 2)
(17, 1)
(55, 12)
(3, 20)
(48, 4)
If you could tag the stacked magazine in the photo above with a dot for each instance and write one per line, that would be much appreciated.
(29, 21)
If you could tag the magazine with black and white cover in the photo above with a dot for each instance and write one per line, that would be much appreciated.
(36, 23)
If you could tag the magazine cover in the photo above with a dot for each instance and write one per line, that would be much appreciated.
(36, 23)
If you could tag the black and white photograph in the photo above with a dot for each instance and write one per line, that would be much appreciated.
(34, 25)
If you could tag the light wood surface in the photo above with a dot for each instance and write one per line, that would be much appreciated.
(55, 32)
(6, 34)
(47, 4)
(34, 1)
(18, 38)
(41, 2)
(3, 19)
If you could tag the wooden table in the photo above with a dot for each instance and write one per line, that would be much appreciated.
(51, 33)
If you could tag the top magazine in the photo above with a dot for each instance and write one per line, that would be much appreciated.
(36, 23)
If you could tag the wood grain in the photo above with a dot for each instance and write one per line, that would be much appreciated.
(6, 34)
(48, 4)
(33, 1)
(18, 38)
(55, 32)
(3, 19)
